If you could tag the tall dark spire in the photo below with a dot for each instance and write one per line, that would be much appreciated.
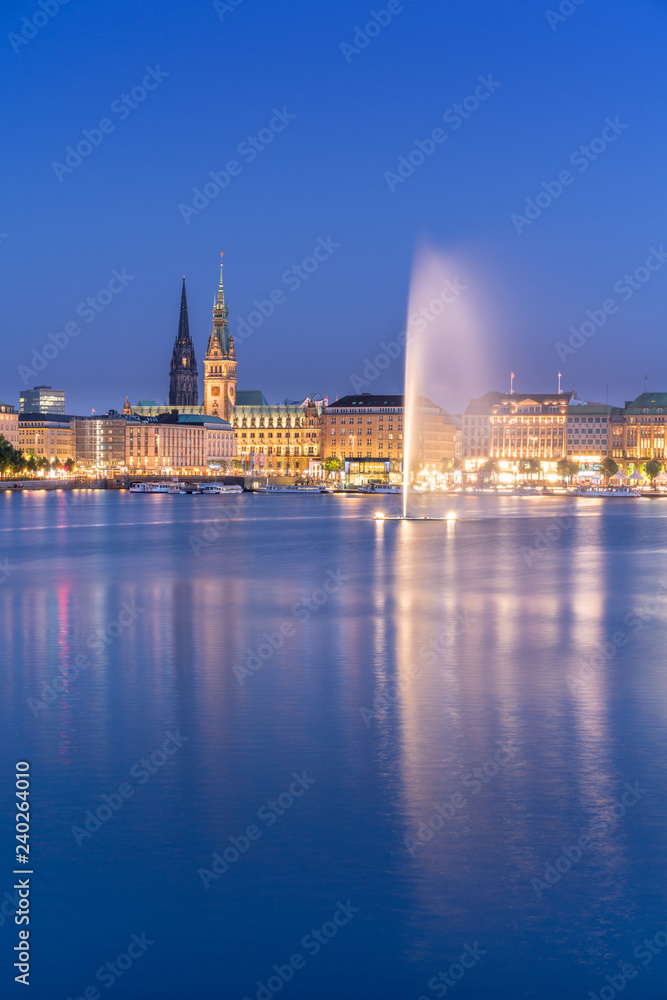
(183, 372)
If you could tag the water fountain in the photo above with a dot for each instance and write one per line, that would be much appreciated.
(439, 339)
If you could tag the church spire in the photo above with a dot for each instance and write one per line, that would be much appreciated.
(221, 289)
(183, 324)
(183, 372)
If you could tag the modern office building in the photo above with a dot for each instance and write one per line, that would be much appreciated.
(42, 399)
(100, 441)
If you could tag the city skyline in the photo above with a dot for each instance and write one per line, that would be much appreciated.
(368, 378)
(312, 164)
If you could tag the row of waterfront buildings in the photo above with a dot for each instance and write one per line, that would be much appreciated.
(365, 432)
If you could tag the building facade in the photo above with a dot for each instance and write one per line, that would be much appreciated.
(42, 399)
(529, 427)
(100, 442)
(47, 435)
(476, 430)
(172, 443)
(277, 439)
(183, 390)
(588, 432)
(368, 429)
(9, 424)
(638, 430)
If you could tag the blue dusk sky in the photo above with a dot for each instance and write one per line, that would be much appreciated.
(545, 187)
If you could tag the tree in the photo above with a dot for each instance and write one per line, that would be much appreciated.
(653, 468)
(608, 467)
(491, 467)
(236, 463)
(530, 465)
(567, 468)
(69, 465)
(11, 459)
(332, 464)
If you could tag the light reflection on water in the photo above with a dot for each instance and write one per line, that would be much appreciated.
(440, 644)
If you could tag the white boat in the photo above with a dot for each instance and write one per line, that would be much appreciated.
(150, 487)
(219, 488)
(394, 488)
(606, 492)
(176, 490)
(291, 489)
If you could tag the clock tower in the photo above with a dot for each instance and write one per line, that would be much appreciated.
(220, 362)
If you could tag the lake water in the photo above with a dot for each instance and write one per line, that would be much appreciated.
(370, 749)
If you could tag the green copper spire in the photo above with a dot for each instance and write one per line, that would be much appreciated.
(221, 290)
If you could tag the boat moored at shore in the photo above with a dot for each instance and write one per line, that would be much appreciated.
(606, 492)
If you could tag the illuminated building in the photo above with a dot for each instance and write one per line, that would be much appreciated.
(279, 439)
(220, 361)
(47, 435)
(476, 430)
(638, 430)
(368, 429)
(42, 399)
(588, 438)
(9, 424)
(100, 441)
(173, 442)
(529, 427)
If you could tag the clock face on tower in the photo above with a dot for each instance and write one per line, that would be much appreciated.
(215, 390)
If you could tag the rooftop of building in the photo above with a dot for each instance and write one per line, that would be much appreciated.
(367, 399)
(589, 409)
(483, 404)
(517, 398)
(647, 400)
(251, 397)
(54, 417)
(174, 415)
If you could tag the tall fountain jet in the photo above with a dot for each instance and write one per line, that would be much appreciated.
(442, 355)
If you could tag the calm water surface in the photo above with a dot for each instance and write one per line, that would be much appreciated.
(508, 669)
